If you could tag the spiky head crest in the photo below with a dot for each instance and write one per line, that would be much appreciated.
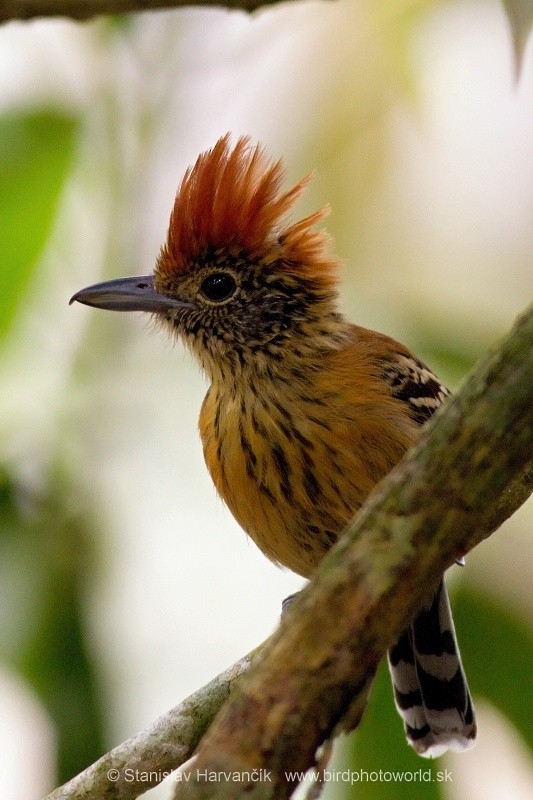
(231, 202)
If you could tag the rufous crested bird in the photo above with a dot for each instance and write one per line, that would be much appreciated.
(305, 412)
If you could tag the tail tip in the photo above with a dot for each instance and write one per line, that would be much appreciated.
(432, 744)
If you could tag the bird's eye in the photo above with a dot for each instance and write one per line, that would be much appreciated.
(218, 286)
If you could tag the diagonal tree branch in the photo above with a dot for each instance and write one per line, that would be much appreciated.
(146, 759)
(472, 468)
(84, 9)
(446, 497)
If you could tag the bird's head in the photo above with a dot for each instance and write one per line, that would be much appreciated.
(233, 279)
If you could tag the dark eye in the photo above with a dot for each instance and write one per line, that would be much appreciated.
(218, 286)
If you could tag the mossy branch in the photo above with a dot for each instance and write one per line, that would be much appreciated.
(472, 468)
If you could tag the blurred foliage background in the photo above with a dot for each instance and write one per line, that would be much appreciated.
(124, 583)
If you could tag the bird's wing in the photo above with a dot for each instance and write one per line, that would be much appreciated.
(411, 381)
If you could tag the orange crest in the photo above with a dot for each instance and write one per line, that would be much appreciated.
(231, 200)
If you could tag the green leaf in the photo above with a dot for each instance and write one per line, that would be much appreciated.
(46, 554)
(36, 152)
(497, 650)
(380, 744)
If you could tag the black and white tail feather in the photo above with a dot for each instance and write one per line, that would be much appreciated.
(430, 688)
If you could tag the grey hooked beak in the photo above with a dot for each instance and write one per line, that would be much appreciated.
(127, 294)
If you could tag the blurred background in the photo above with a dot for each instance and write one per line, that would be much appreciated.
(125, 584)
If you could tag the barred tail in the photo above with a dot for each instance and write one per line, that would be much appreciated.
(430, 687)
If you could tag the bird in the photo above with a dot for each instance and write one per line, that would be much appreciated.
(305, 412)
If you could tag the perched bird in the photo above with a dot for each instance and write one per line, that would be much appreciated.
(305, 412)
